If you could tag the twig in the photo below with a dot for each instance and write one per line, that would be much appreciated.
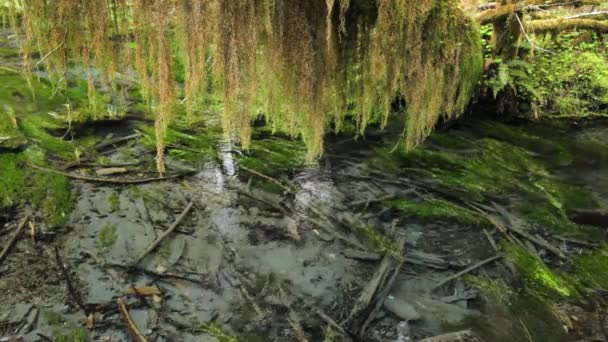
(71, 290)
(114, 141)
(11, 242)
(50, 53)
(490, 240)
(268, 178)
(331, 322)
(106, 180)
(465, 271)
(164, 234)
(137, 335)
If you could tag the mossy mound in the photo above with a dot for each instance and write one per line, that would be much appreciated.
(437, 209)
(507, 166)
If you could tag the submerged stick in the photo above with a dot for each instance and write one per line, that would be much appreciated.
(465, 271)
(11, 242)
(105, 180)
(166, 233)
(71, 290)
(137, 335)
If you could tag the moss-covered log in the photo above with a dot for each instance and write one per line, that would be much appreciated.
(562, 25)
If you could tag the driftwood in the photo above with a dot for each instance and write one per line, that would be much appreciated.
(375, 292)
(137, 335)
(166, 233)
(144, 290)
(106, 180)
(13, 238)
(111, 171)
(385, 291)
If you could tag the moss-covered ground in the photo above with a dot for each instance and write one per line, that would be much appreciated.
(523, 171)
(31, 132)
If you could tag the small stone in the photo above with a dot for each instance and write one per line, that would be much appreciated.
(401, 309)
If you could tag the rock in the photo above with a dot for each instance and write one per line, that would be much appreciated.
(401, 308)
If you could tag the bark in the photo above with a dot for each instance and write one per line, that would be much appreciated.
(560, 25)
(501, 12)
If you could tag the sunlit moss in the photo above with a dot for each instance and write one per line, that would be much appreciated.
(592, 269)
(51, 194)
(216, 331)
(436, 209)
(538, 276)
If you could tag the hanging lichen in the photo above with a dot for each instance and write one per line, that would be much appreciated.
(302, 64)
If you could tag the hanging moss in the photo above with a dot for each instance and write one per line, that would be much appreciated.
(302, 64)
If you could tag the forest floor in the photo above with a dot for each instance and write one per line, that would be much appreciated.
(490, 228)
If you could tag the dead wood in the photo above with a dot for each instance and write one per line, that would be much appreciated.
(380, 298)
(70, 286)
(137, 335)
(109, 171)
(13, 238)
(374, 293)
(107, 180)
(268, 178)
(166, 233)
(115, 141)
(465, 271)
(144, 290)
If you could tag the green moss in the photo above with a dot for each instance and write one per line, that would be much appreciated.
(12, 182)
(437, 209)
(75, 334)
(493, 289)
(114, 201)
(274, 155)
(379, 242)
(216, 331)
(51, 194)
(192, 146)
(107, 237)
(592, 269)
(540, 279)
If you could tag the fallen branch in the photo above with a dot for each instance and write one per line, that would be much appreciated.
(137, 335)
(384, 293)
(465, 271)
(268, 178)
(379, 281)
(106, 180)
(13, 238)
(71, 290)
(114, 141)
(549, 25)
(164, 234)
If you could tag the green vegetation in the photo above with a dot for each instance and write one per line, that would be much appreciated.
(216, 331)
(477, 169)
(114, 201)
(107, 237)
(436, 209)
